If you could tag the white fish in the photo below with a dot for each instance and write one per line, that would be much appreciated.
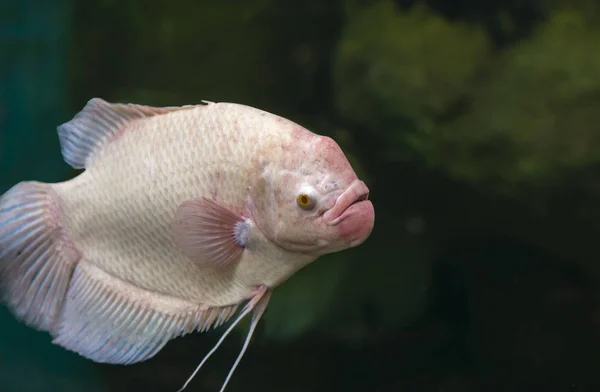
(181, 215)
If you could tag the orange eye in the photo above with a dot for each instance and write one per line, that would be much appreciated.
(304, 201)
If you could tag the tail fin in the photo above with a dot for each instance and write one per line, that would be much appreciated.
(36, 258)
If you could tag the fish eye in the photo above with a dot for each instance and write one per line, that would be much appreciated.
(305, 201)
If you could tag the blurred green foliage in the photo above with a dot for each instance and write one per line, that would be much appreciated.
(522, 114)
(396, 72)
(533, 118)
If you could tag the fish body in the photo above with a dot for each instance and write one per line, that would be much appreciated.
(181, 215)
(121, 209)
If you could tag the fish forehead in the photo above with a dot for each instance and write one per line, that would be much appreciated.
(316, 156)
(284, 143)
(249, 119)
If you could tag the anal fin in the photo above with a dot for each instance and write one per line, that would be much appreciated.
(112, 321)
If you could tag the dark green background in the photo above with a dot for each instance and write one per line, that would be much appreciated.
(474, 123)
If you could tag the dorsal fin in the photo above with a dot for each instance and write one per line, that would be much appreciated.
(97, 123)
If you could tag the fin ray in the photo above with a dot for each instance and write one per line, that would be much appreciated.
(111, 321)
(36, 258)
(210, 234)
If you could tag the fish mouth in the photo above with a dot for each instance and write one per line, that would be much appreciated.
(356, 193)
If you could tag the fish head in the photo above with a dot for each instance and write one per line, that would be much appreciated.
(309, 199)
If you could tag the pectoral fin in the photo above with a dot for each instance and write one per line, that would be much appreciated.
(210, 234)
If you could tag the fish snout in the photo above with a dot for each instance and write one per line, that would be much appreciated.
(352, 215)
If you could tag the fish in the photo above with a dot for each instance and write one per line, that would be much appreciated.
(181, 218)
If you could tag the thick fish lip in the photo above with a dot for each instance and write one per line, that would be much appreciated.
(356, 193)
(356, 223)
